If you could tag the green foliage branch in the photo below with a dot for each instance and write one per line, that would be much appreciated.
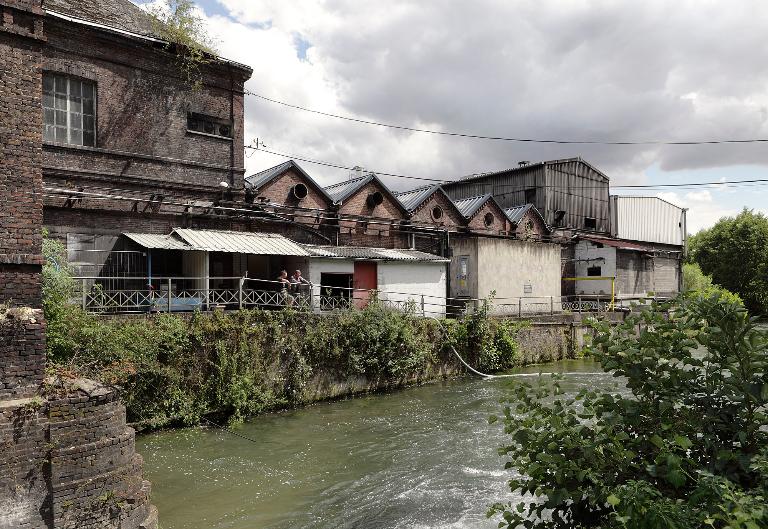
(178, 23)
(682, 445)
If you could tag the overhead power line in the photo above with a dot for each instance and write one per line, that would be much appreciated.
(724, 183)
(500, 138)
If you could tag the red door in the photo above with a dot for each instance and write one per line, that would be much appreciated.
(364, 279)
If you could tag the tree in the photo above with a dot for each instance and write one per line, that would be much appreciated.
(695, 282)
(686, 446)
(178, 23)
(735, 253)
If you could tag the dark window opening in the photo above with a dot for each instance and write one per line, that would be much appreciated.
(69, 110)
(590, 223)
(594, 271)
(559, 216)
(437, 213)
(530, 196)
(209, 125)
(488, 220)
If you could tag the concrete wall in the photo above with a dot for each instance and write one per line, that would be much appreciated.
(516, 268)
(402, 281)
(588, 254)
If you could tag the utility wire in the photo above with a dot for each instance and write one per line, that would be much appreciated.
(499, 138)
(724, 183)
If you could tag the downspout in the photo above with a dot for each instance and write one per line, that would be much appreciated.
(232, 123)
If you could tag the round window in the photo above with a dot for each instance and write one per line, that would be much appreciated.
(489, 219)
(437, 213)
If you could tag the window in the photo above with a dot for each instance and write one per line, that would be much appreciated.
(559, 216)
(488, 220)
(594, 271)
(209, 125)
(69, 110)
(590, 223)
(437, 213)
(530, 196)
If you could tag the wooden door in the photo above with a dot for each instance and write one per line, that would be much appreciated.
(364, 278)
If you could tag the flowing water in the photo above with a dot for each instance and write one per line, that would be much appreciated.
(421, 457)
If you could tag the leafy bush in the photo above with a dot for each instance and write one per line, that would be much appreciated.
(734, 252)
(687, 447)
(696, 283)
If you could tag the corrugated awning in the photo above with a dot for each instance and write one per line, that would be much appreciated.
(239, 242)
(373, 254)
(618, 243)
(158, 242)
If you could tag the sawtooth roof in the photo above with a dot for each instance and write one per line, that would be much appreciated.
(260, 179)
(469, 206)
(516, 213)
(343, 190)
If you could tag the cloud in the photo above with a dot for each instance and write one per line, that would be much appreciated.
(576, 69)
(703, 209)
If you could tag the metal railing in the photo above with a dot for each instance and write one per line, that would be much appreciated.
(115, 295)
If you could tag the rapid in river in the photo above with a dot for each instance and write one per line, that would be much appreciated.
(421, 457)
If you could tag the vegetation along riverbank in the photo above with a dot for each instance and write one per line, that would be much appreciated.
(686, 448)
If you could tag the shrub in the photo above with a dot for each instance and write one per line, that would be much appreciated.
(685, 448)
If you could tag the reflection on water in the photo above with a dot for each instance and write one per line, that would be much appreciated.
(417, 458)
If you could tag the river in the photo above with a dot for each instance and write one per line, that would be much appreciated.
(422, 457)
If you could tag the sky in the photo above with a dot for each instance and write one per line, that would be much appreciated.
(568, 69)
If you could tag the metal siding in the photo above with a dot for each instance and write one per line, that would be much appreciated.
(569, 185)
(647, 219)
(359, 252)
(158, 242)
(240, 242)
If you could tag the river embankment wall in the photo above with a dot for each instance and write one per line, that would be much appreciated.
(67, 455)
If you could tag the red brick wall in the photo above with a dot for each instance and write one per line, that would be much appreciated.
(279, 191)
(538, 229)
(20, 138)
(142, 106)
(381, 231)
(451, 217)
(500, 225)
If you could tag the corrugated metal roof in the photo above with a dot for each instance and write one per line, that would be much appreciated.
(379, 254)
(616, 243)
(239, 242)
(415, 197)
(158, 242)
(469, 206)
(515, 214)
(259, 179)
(343, 190)
(527, 167)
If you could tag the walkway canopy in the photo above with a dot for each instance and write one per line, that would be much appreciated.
(220, 241)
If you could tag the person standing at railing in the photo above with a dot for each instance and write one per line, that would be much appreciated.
(285, 284)
(297, 280)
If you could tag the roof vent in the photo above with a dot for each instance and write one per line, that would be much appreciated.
(374, 199)
(299, 191)
(523, 163)
(356, 172)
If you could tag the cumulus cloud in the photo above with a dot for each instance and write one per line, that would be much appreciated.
(575, 69)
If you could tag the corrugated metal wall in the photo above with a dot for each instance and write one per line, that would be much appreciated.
(574, 187)
(568, 185)
(647, 219)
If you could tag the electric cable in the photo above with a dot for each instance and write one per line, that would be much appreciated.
(500, 138)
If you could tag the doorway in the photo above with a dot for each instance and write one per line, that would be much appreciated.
(365, 279)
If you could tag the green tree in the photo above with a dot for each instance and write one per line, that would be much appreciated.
(735, 253)
(178, 23)
(685, 446)
(695, 282)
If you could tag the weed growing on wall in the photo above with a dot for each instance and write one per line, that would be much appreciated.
(177, 370)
